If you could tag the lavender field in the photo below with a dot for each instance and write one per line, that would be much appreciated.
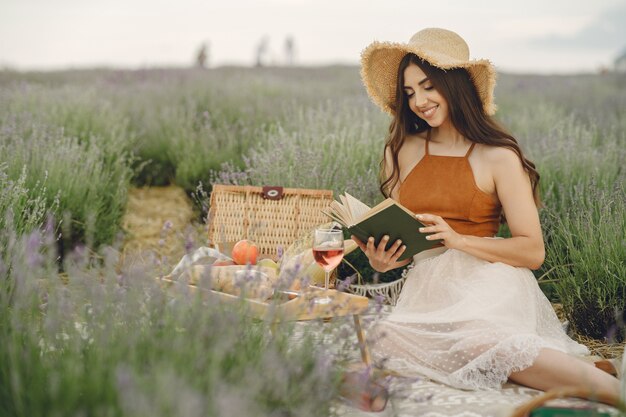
(83, 333)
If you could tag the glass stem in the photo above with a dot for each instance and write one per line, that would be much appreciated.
(326, 279)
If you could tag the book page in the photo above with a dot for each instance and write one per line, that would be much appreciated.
(348, 211)
(339, 212)
(356, 207)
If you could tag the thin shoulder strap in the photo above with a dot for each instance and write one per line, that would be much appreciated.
(469, 151)
(427, 141)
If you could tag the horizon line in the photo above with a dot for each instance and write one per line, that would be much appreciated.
(6, 67)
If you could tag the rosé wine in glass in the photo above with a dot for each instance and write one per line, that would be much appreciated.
(328, 252)
(328, 258)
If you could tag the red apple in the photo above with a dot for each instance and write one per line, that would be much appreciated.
(245, 252)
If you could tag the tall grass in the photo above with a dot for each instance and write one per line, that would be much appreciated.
(575, 132)
(72, 142)
(331, 146)
(86, 176)
(96, 132)
(586, 249)
(23, 208)
(109, 341)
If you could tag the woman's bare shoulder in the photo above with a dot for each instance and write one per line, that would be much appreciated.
(499, 155)
(501, 162)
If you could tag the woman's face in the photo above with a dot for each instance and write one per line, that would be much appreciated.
(424, 100)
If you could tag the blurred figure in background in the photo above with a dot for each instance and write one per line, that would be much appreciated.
(290, 50)
(202, 56)
(262, 50)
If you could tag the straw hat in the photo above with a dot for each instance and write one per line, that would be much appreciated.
(441, 48)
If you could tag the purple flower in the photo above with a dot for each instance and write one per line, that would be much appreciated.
(189, 244)
(33, 246)
(611, 333)
(344, 284)
(124, 379)
(379, 300)
(48, 228)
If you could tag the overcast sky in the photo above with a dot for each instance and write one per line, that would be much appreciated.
(562, 36)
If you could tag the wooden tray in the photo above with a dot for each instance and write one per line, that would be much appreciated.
(303, 306)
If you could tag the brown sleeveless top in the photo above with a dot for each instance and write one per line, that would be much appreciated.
(445, 186)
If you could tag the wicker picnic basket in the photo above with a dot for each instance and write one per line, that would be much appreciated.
(271, 216)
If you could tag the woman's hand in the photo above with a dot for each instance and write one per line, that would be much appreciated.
(380, 259)
(440, 229)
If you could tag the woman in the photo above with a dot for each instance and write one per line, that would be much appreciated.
(471, 314)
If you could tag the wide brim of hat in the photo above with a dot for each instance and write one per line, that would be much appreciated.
(379, 71)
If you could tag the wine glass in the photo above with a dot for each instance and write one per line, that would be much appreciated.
(328, 252)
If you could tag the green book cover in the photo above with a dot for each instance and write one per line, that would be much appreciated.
(398, 224)
(567, 412)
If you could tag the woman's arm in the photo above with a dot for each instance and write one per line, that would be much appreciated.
(525, 246)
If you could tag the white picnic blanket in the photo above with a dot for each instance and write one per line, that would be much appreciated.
(422, 397)
(426, 398)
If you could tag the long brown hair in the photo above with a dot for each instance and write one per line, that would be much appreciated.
(466, 115)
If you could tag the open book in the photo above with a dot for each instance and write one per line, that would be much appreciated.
(386, 218)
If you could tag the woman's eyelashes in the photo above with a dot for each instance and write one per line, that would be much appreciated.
(410, 93)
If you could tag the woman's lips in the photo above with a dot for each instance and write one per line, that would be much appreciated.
(428, 113)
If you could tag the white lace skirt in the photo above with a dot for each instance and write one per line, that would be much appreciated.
(468, 323)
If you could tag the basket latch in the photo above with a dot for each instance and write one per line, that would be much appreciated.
(272, 193)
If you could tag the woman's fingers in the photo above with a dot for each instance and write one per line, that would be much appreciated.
(435, 236)
(429, 218)
(393, 250)
(435, 225)
(399, 252)
(390, 256)
(359, 243)
(384, 253)
(380, 259)
(380, 250)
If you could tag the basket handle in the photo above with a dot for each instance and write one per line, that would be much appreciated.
(563, 392)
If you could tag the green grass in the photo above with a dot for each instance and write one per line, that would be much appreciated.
(586, 251)
(108, 341)
(71, 143)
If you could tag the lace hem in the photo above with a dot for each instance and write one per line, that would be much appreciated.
(492, 368)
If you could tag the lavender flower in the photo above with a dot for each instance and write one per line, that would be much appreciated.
(33, 247)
